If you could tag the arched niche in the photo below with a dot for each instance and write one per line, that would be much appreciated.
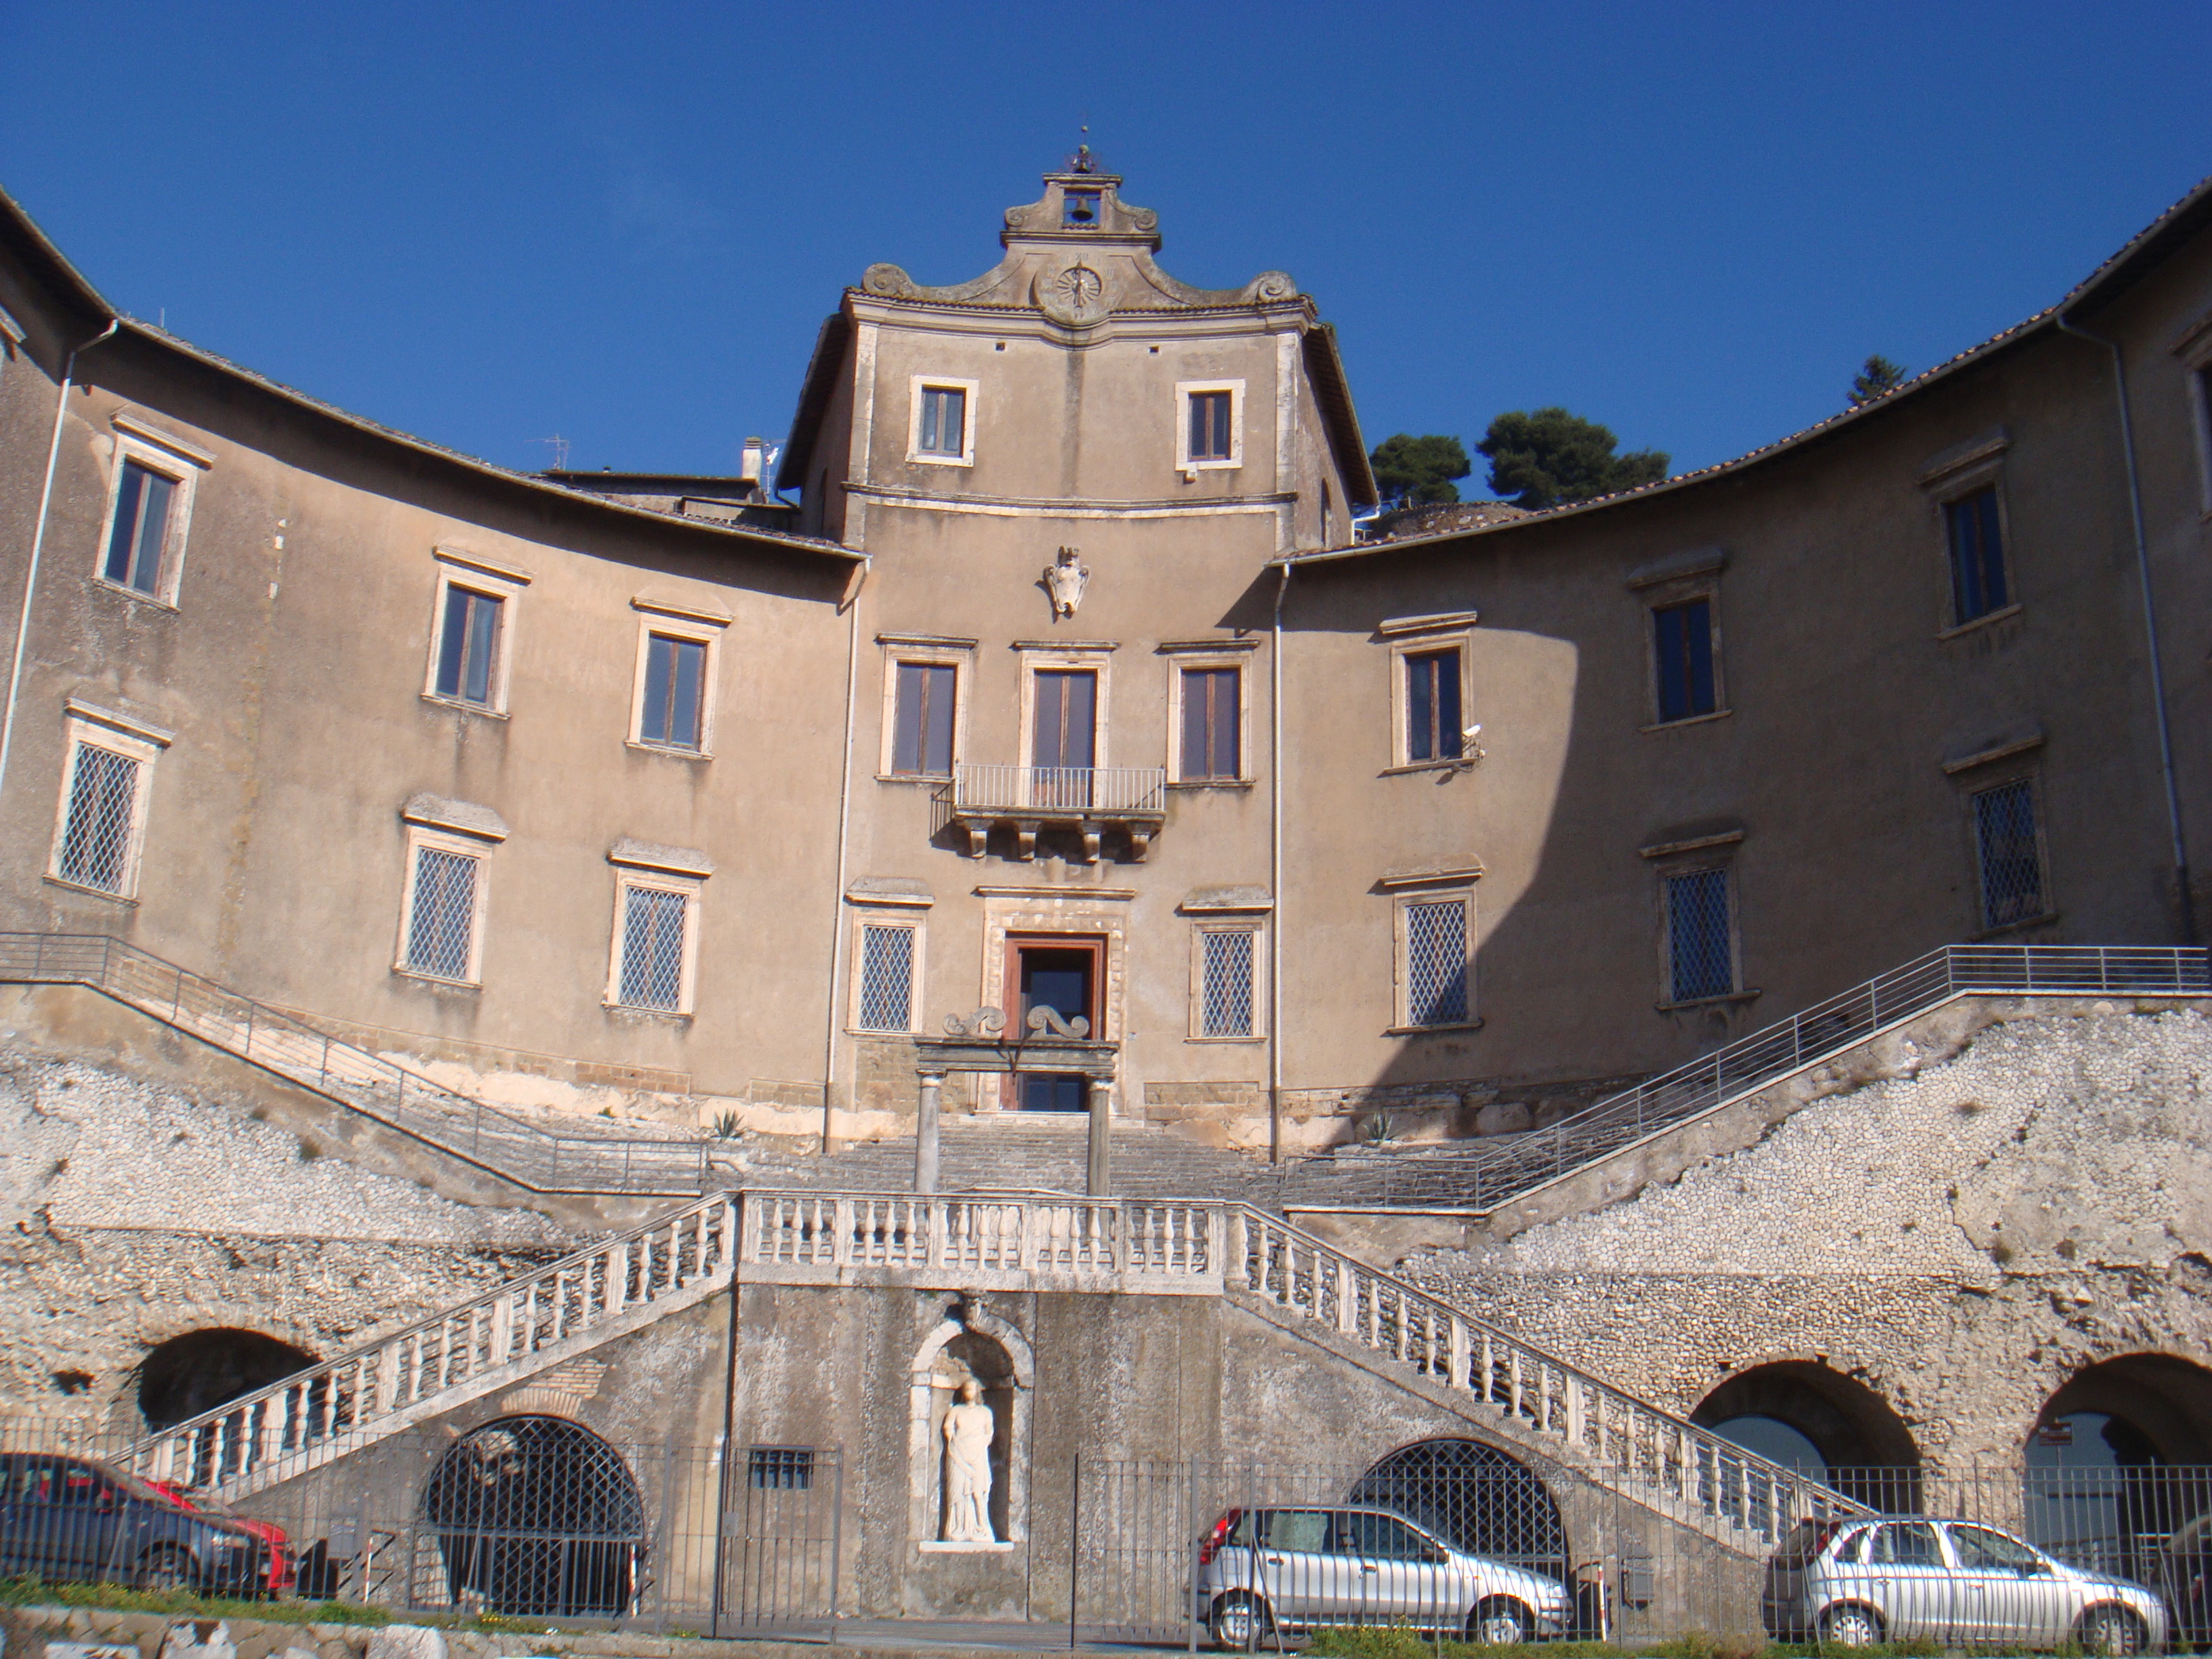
(201, 1370)
(2119, 1451)
(1811, 1416)
(970, 1342)
(1474, 1497)
(535, 1515)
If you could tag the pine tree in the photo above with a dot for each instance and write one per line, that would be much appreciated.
(1878, 378)
(1548, 456)
(1414, 471)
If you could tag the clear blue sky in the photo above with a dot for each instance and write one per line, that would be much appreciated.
(488, 222)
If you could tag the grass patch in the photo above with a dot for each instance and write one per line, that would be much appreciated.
(25, 1592)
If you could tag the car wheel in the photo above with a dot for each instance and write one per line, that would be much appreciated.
(1850, 1626)
(1498, 1622)
(166, 1568)
(2112, 1631)
(1239, 1621)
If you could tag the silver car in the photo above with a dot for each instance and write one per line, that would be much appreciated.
(1300, 1569)
(1899, 1579)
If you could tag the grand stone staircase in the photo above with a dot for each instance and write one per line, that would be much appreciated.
(1344, 1311)
(1014, 1152)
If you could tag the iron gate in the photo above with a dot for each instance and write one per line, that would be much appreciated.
(781, 1532)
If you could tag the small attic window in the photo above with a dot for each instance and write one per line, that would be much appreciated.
(1079, 207)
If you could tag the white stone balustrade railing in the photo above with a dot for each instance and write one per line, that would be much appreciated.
(979, 1242)
(985, 1243)
(402, 1377)
(1668, 1460)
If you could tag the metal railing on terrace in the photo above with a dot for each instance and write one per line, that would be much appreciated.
(1486, 1178)
(538, 1159)
(1056, 792)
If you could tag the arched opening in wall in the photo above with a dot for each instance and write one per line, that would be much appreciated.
(1474, 1497)
(201, 1370)
(534, 1515)
(1815, 1419)
(2120, 1460)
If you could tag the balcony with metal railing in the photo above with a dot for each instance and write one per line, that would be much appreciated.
(1088, 800)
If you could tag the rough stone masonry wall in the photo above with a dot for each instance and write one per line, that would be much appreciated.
(130, 1213)
(1962, 1241)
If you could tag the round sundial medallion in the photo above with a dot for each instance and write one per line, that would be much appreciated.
(1073, 297)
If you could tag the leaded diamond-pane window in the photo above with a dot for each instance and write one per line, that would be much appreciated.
(1225, 984)
(652, 948)
(1435, 963)
(886, 978)
(442, 919)
(1700, 945)
(2011, 855)
(96, 850)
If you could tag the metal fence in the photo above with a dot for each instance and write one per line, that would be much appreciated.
(535, 1516)
(529, 1516)
(298, 1052)
(1494, 1175)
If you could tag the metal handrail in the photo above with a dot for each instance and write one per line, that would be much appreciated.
(1486, 1178)
(457, 1124)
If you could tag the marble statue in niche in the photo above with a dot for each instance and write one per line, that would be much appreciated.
(969, 1428)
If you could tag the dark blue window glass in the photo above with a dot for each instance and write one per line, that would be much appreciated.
(1685, 659)
(675, 677)
(1978, 566)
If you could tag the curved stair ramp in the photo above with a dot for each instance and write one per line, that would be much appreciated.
(1482, 1181)
(281, 1042)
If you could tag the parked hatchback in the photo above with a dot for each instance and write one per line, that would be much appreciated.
(1300, 1569)
(70, 1518)
(1897, 1579)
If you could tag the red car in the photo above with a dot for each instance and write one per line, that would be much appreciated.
(281, 1571)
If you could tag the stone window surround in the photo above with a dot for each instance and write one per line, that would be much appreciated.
(886, 910)
(1661, 585)
(2015, 762)
(1080, 913)
(693, 625)
(180, 462)
(477, 845)
(1096, 656)
(87, 725)
(2194, 349)
(458, 568)
(665, 870)
(1224, 921)
(971, 408)
(1416, 637)
(1209, 654)
(1959, 472)
(1690, 855)
(1184, 465)
(1425, 886)
(938, 650)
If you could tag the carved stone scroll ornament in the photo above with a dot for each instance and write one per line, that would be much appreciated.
(1066, 578)
(888, 281)
(986, 1023)
(1043, 1019)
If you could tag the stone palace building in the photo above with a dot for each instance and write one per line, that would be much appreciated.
(414, 871)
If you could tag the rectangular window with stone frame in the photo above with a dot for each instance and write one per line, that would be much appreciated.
(1226, 989)
(100, 824)
(2008, 853)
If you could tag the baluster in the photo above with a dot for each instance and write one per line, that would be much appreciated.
(1405, 1324)
(529, 1318)
(502, 1328)
(1489, 1367)
(1374, 1313)
(1513, 1379)
(1458, 1377)
(1347, 1298)
(675, 1252)
(616, 1267)
(841, 1240)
